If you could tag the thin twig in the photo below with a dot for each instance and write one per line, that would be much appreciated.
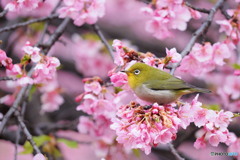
(43, 34)
(17, 142)
(59, 31)
(145, 1)
(26, 132)
(56, 35)
(175, 152)
(226, 15)
(45, 29)
(7, 79)
(13, 108)
(203, 28)
(18, 132)
(103, 39)
(8, 28)
(203, 10)
(3, 13)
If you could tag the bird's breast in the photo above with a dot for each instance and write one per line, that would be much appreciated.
(159, 96)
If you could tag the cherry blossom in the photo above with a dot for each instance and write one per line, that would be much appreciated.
(98, 128)
(231, 87)
(118, 46)
(221, 52)
(82, 11)
(34, 52)
(4, 60)
(45, 70)
(235, 147)
(15, 70)
(237, 72)
(23, 81)
(118, 79)
(51, 101)
(16, 5)
(7, 99)
(173, 55)
(39, 156)
(90, 60)
(166, 15)
(202, 53)
(97, 102)
(147, 127)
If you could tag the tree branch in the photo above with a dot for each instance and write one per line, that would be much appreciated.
(18, 132)
(59, 31)
(103, 39)
(3, 13)
(8, 28)
(26, 132)
(226, 15)
(7, 79)
(17, 142)
(203, 10)
(56, 35)
(203, 28)
(175, 152)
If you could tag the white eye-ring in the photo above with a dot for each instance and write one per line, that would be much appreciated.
(136, 72)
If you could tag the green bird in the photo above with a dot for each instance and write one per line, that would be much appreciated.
(153, 85)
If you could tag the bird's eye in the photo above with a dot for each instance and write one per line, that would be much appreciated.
(136, 72)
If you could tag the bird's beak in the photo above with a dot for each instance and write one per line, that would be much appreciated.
(127, 72)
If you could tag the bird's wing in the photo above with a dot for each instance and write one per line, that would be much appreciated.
(168, 84)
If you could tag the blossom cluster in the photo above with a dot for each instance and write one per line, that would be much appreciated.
(204, 58)
(139, 124)
(82, 11)
(144, 127)
(166, 15)
(97, 102)
(235, 147)
(91, 59)
(229, 92)
(126, 56)
(44, 72)
(231, 26)
(214, 124)
(17, 5)
(28, 8)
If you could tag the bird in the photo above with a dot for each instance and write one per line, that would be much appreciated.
(156, 86)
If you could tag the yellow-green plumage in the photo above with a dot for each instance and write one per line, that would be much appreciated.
(154, 85)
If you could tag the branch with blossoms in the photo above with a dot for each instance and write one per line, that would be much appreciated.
(138, 126)
(202, 30)
(112, 120)
(18, 25)
(25, 81)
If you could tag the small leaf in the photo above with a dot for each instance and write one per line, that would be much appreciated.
(26, 59)
(37, 26)
(40, 140)
(136, 152)
(32, 91)
(117, 89)
(27, 148)
(236, 115)
(236, 66)
(69, 143)
(214, 107)
(90, 36)
(56, 153)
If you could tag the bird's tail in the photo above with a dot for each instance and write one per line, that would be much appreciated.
(201, 90)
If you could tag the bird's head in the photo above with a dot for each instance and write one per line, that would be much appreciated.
(137, 74)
